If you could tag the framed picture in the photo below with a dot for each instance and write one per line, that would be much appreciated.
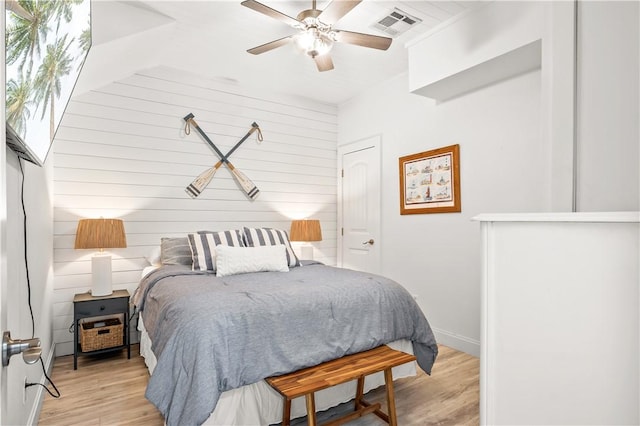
(430, 181)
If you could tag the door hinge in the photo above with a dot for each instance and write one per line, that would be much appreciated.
(342, 172)
(342, 231)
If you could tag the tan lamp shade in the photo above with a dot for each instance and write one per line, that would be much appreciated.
(305, 230)
(100, 234)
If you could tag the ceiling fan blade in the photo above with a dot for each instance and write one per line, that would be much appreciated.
(266, 10)
(269, 46)
(336, 10)
(364, 40)
(323, 62)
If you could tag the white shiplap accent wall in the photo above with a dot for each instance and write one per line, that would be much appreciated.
(121, 151)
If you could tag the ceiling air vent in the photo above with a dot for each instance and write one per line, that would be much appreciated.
(396, 22)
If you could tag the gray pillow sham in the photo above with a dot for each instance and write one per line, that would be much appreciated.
(175, 251)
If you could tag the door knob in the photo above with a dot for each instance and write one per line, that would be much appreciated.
(30, 349)
(370, 242)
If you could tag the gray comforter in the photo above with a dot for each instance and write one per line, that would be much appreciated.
(214, 334)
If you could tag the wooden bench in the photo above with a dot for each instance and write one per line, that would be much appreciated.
(351, 367)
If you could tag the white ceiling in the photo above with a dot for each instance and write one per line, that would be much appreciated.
(210, 38)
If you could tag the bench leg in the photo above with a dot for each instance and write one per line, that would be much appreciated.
(391, 403)
(311, 409)
(359, 393)
(286, 412)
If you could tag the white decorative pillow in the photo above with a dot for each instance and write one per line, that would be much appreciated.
(241, 260)
(155, 256)
(255, 237)
(203, 247)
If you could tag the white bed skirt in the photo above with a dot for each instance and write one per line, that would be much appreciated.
(259, 404)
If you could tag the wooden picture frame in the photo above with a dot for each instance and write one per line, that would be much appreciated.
(430, 181)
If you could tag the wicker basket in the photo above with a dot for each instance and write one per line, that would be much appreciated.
(102, 334)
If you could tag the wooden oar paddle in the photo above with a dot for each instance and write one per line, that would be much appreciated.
(198, 185)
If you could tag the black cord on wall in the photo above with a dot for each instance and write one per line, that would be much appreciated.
(26, 263)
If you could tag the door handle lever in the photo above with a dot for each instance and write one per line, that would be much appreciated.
(370, 242)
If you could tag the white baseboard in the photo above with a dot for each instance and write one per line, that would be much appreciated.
(64, 348)
(34, 413)
(457, 342)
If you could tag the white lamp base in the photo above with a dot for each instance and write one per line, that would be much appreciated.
(101, 275)
(306, 252)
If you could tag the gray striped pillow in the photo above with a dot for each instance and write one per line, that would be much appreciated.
(255, 237)
(203, 247)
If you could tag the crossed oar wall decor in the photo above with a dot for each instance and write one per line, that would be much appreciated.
(200, 183)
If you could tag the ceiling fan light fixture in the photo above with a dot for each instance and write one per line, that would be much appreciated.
(316, 34)
(314, 42)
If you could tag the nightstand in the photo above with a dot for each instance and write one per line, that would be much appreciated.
(87, 306)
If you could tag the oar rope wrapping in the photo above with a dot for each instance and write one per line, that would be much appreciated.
(187, 131)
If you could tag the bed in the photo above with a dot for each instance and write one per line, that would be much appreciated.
(210, 338)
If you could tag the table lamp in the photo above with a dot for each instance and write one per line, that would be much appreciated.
(305, 230)
(100, 234)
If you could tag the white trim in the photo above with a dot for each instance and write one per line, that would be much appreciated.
(457, 342)
(486, 324)
(575, 145)
(593, 217)
(34, 413)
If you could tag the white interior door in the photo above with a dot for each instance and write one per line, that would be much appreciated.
(3, 234)
(359, 222)
(3, 267)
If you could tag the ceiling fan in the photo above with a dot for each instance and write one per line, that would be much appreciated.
(316, 33)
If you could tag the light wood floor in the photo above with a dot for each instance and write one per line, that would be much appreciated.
(109, 390)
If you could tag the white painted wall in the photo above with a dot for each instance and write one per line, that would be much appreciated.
(608, 105)
(500, 40)
(516, 139)
(121, 152)
(473, 39)
(504, 168)
(603, 147)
